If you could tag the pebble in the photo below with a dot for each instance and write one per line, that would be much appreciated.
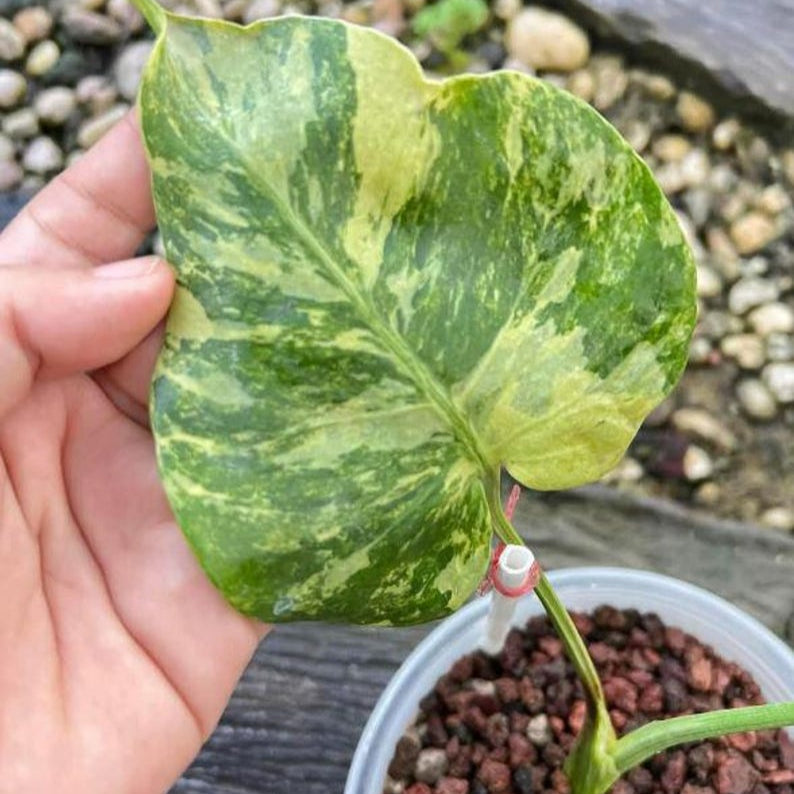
(773, 200)
(638, 134)
(725, 134)
(701, 423)
(755, 266)
(261, 9)
(697, 464)
(546, 40)
(750, 292)
(747, 350)
(628, 470)
(772, 318)
(42, 58)
(695, 168)
(582, 84)
(12, 43)
(656, 86)
(671, 148)
(695, 114)
(233, 10)
(700, 351)
(92, 130)
(780, 347)
(698, 202)
(752, 232)
(21, 124)
(13, 88)
(709, 283)
(7, 149)
(778, 518)
(716, 324)
(126, 15)
(11, 174)
(506, 9)
(610, 78)
(431, 764)
(33, 23)
(787, 161)
(98, 92)
(779, 378)
(129, 67)
(42, 156)
(89, 27)
(756, 400)
(55, 105)
(539, 730)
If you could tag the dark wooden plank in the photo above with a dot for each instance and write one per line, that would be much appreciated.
(293, 723)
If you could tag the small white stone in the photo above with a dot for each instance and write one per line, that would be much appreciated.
(697, 464)
(42, 156)
(93, 129)
(73, 157)
(722, 178)
(33, 23)
(96, 91)
(638, 134)
(55, 105)
(725, 134)
(700, 350)
(657, 86)
(431, 765)
(11, 175)
(696, 114)
(708, 494)
(13, 88)
(671, 148)
(125, 13)
(582, 84)
(506, 9)
(750, 292)
(780, 518)
(42, 58)
(779, 378)
(774, 200)
(756, 400)
(611, 80)
(90, 27)
(261, 9)
(547, 40)
(700, 423)
(709, 283)
(629, 470)
(12, 44)
(129, 67)
(787, 161)
(7, 149)
(747, 350)
(772, 318)
(670, 178)
(780, 347)
(752, 232)
(539, 730)
(695, 168)
(21, 124)
(754, 266)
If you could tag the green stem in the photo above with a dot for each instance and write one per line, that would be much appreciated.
(641, 744)
(153, 13)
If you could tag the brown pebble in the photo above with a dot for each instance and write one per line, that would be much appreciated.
(786, 749)
(495, 776)
(641, 779)
(743, 742)
(676, 640)
(560, 782)
(436, 734)
(419, 788)
(522, 751)
(452, 785)
(699, 674)
(507, 689)
(531, 696)
(619, 719)
(405, 755)
(462, 669)
(622, 694)
(552, 646)
(602, 653)
(651, 699)
(779, 777)
(674, 772)
(497, 730)
(623, 786)
(735, 775)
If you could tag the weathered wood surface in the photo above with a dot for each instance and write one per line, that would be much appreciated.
(293, 723)
(740, 52)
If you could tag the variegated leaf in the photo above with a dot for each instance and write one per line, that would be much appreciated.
(388, 288)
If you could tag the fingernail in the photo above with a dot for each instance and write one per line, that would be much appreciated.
(129, 268)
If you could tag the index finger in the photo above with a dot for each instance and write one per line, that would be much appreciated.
(97, 211)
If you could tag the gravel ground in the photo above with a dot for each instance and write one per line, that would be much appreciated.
(725, 441)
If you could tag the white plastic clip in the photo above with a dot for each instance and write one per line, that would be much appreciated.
(514, 573)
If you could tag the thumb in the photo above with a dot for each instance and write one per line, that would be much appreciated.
(57, 322)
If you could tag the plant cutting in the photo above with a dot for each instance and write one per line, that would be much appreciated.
(390, 289)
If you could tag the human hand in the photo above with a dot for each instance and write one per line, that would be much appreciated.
(117, 656)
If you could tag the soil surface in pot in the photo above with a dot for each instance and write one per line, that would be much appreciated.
(504, 725)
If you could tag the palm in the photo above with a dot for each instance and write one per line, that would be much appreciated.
(117, 653)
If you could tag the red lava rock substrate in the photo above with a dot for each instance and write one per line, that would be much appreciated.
(504, 725)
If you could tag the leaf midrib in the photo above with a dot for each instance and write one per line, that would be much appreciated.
(405, 357)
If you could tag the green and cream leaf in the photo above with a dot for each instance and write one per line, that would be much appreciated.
(388, 289)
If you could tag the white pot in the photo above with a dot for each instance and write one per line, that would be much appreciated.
(733, 634)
